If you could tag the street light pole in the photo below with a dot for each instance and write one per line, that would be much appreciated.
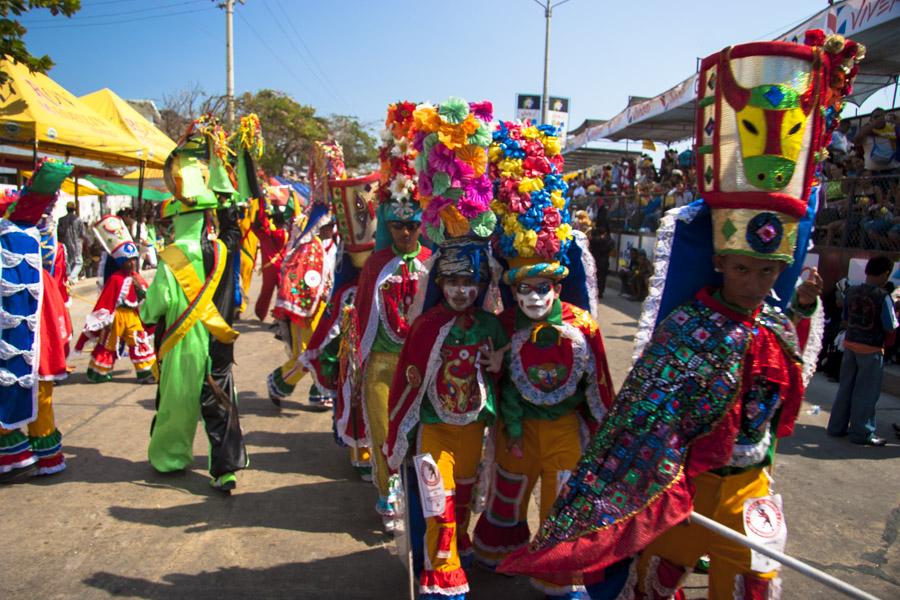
(548, 7)
(229, 62)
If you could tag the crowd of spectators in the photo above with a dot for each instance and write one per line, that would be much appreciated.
(861, 198)
(629, 195)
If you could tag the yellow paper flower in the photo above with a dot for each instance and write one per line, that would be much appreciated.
(564, 232)
(510, 223)
(556, 198)
(510, 167)
(551, 146)
(456, 224)
(452, 136)
(470, 125)
(531, 133)
(474, 156)
(499, 208)
(531, 184)
(494, 153)
(525, 242)
(427, 119)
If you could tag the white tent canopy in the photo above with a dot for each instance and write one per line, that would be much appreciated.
(669, 117)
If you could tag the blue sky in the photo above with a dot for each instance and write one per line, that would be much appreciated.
(355, 56)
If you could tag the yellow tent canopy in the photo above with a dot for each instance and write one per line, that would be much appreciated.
(148, 174)
(36, 109)
(85, 187)
(155, 144)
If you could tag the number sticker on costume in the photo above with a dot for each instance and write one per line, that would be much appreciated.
(312, 279)
(431, 485)
(764, 524)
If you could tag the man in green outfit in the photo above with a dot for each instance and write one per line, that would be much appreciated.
(186, 301)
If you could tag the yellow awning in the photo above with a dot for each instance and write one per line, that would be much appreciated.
(85, 187)
(155, 144)
(34, 107)
(148, 174)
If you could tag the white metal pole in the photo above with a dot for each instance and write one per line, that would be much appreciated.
(545, 99)
(793, 563)
(229, 62)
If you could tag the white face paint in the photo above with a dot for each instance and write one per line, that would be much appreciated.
(460, 297)
(535, 297)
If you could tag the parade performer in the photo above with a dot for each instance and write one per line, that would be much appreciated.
(186, 301)
(720, 374)
(307, 276)
(387, 286)
(443, 393)
(114, 320)
(274, 218)
(557, 376)
(332, 354)
(34, 332)
(249, 147)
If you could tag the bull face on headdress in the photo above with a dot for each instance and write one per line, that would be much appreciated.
(353, 202)
(759, 125)
(772, 120)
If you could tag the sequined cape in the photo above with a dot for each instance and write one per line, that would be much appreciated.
(676, 415)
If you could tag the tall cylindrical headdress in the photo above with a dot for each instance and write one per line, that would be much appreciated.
(531, 206)
(762, 113)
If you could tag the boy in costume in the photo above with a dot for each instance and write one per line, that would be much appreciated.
(307, 277)
(556, 377)
(114, 320)
(332, 355)
(443, 394)
(34, 332)
(721, 374)
(186, 299)
(384, 299)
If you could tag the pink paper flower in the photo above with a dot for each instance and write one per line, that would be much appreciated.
(547, 244)
(551, 217)
(425, 187)
(431, 214)
(482, 110)
(442, 158)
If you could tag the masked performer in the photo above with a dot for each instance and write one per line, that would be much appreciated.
(387, 286)
(720, 373)
(187, 299)
(557, 378)
(307, 277)
(114, 320)
(332, 355)
(274, 218)
(443, 393)
(34, 332)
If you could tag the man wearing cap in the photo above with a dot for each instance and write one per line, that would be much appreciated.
(191, 288)
(72, 235)
(721, 369)
(114, 319)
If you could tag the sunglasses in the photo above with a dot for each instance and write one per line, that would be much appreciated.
(542, 288)
(407, 225)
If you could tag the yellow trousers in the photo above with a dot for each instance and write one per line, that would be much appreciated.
(457, 451)
(670, 557)
(377, 379)
(126, 327)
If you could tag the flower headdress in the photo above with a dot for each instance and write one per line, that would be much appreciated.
(531, 206)
(250, 148)
(454, 187)
(398, 197)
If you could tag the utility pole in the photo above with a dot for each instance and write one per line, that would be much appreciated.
(548, 7)
(228, 5)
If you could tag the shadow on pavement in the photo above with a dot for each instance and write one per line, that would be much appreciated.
(811, 441)
(323, 507)
(373, 573)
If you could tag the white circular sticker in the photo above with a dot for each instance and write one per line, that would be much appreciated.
(763, 518)
(312, 279)
(51, 133)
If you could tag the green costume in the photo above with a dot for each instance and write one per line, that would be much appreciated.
(192, 290)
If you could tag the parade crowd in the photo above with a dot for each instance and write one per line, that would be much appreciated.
(445, 309)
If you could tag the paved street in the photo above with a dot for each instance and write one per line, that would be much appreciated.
(301, 525)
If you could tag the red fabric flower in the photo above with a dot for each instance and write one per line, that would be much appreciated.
(536, 166)
(814, 37)
(551, 217)
(547, 245)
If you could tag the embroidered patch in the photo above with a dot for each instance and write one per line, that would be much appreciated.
(413, 377)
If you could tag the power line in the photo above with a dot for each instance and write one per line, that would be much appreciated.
(312, 56)
(78, 16)
(297, 50)
(277, 56)
(147, 18)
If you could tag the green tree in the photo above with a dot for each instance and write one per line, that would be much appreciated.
(12, 31)
(288, 127)
(360, 147)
